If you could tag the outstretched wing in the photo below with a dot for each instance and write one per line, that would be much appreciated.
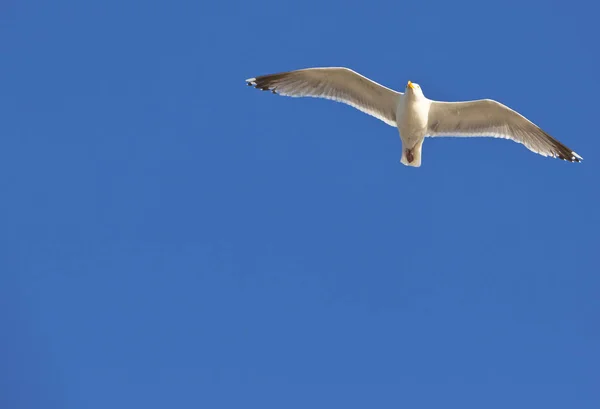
(490, 118)
(337, 84)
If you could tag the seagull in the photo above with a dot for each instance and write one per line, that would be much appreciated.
(415, 116)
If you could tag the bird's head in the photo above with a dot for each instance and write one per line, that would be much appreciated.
(413, 88)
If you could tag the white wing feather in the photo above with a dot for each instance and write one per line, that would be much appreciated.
(337, 84)
(490, 118)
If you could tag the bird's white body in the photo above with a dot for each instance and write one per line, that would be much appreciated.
(415, 116)
(411, 118)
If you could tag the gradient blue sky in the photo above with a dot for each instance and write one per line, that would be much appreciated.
(172, 238)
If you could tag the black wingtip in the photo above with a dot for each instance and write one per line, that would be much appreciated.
(266, 82)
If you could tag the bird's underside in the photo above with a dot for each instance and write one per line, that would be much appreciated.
(485, 118)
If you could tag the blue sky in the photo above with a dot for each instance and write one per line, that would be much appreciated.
(172, 238)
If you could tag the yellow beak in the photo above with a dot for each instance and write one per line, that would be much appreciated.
(410, 85)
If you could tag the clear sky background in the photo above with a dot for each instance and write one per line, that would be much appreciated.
(170, 238)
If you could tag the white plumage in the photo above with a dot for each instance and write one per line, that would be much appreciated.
(415, 116)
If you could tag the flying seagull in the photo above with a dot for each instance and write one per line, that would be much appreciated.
(412, 113)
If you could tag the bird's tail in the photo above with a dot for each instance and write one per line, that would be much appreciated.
(412, 157)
